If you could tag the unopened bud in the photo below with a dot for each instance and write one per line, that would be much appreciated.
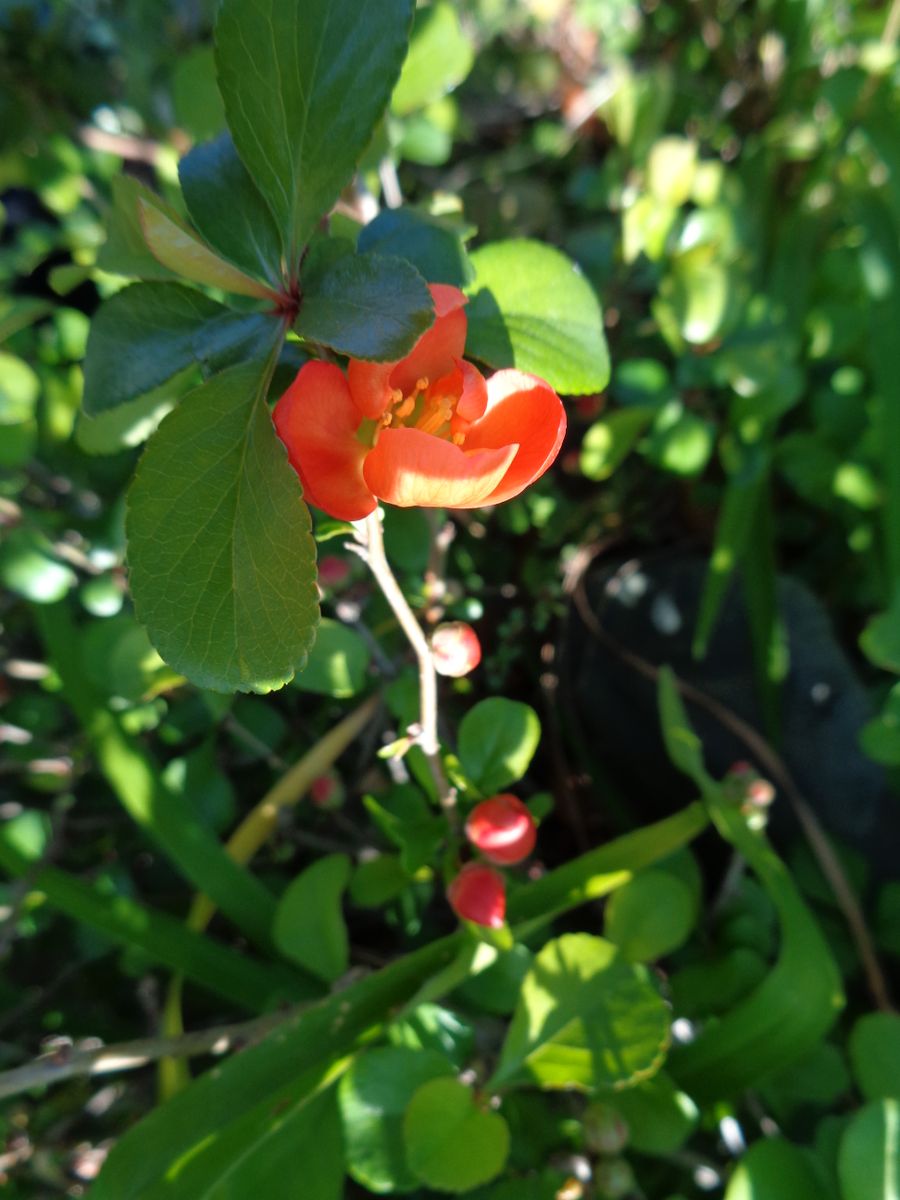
(502, 828)
(455, 648)
(478, 894)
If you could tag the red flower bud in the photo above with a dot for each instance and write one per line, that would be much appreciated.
(332, 570)
(455, 648)
(478, 894)
(502, 828)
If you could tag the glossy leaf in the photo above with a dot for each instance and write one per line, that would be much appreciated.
(497, 741)
(585, 1019)
(304, 83)
(434, 245)
(880, 640)
(150, 332)
(452, 1144)
(440, 57)
(229, 596)
(374, 1095)
(366, 306)
(531, 308)
(179, 249)
(869, 1153)
(309, 926)
(229, 211)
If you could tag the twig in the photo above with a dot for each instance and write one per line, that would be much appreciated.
(126, 1056)
(371, 549)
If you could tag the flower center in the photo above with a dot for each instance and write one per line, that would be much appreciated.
(432, 412)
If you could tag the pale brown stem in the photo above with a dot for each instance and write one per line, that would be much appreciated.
(371, 536)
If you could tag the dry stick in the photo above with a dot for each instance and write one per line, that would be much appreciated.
(126, 1056)
(371, 550)
(778, 772)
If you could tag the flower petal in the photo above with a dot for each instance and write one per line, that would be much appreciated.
(317, 421)
(522, 409)
(411, 468)
(433, 354)
(473, 400)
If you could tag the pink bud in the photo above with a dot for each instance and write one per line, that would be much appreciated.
(478, 894)
(332, 570)
(455, 648)
(502, 828)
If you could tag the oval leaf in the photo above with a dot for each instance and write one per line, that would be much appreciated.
(227, 208)
(222, 560)
(309, 925)
(150, 332)
(531, 308)
(585, 1019)
(776, 1170)
(497, 741)
(451, 1144)
(304, 83)
(367, 306)
(181, 251)
(374, 1095)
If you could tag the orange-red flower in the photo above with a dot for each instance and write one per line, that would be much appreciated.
(426, 431)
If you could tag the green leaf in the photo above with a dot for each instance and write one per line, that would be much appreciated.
(532, 309)
(288, 1065)
(434, 245)
(737, 519)
(179, 249)
(776, 1170)
(585, 1019)
(610, 440)
(130, 424)
(136, 780)
(29, 568)
(785, 1017)
(288, 1144)
(880, 640)
(228, 209)
(650, 916)
(18, 312)
(374, 1095)
(366, 306)
(869, 1153)
(304, 84)
(125, 251)
(337, 663)
(452, 1145)
(165, 940)
(880, 737)
(440, 57)
(497, 741)
(150, 332)
(875, 1055)
(229, 596)
(309, 926)
(660, 1117)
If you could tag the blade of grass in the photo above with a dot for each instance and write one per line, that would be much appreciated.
(240, 980)
(135, 779)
